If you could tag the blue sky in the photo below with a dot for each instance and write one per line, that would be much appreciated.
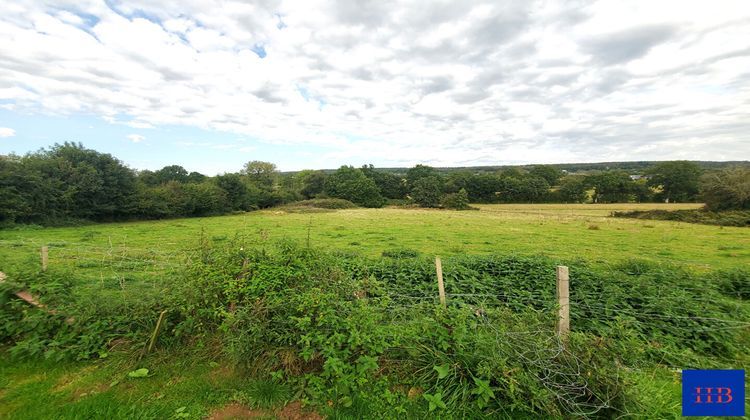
(207, 151)
(394, 83)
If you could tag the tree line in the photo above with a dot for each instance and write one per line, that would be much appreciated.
(69, 182)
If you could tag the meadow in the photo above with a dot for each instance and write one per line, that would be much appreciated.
(648, 294)
(565, 231)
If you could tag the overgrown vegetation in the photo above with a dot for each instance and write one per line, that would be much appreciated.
(366, 334)
(738, 218)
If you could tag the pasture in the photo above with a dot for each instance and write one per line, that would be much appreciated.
(562, 231)
(641, 291)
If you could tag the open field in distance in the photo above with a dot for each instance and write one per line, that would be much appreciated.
(560, 231)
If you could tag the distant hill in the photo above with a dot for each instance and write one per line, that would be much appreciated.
(631, 167)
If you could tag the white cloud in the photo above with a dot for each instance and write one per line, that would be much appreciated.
(7, 132)
(135, 138)
(449, 83)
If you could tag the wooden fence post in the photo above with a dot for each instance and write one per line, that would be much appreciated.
(156, 331)
(563, 301)
(45, 257)
(441, 287)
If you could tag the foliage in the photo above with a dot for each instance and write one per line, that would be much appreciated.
(351, 184)
(262, 174)
(325, 203)
(418, 172)
(722, 218)
(728, 189)
(313, 183)
(427, 191)
(546, 172)
(611, 186)
(573, 189)
(347, 329)
(677, 180)
(391, 186)
(456, 201)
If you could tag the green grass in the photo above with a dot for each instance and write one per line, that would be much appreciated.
(110, 258)
(119, 253)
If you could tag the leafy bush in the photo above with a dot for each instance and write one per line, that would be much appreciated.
(353, 331)
(456, 201)
(734, 283)
(400, 253)
(326, 203)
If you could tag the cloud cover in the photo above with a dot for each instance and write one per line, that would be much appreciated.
(448, 83)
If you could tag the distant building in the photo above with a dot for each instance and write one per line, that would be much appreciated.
(638, 177)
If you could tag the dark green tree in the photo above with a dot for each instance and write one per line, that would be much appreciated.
(456, 201)
(427, 191)
(418, 172)
(728, 189)
(351, 184)
(678, 180)
(611, 186)
(236, 192)
(573, 189)
(313, 183)
(390, 185)
(547, 172)
(171, 173)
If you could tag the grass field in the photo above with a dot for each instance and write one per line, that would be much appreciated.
(118, 258)
(564, 231)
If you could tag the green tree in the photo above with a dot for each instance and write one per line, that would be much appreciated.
(262, 174)
(351, 184)
(611, 186)
(547, 172)
(728, 189)
(456, 201)
(390, 185)
(427, 191)
(484, 188)
(171, 173)
(236, 193)
(418, 172)
(678, 180)
(88, 184)
(313, 183)
(573, 189)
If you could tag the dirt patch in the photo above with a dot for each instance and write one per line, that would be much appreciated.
(237, 411)
(221, 374)
(294, 411)
(81, 393)
(70, 379)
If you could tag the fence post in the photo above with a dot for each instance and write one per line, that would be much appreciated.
(156, 331)
(45, 257)
(441, 287)
(563, 301)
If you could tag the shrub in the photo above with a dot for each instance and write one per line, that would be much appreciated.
(701, 216)
(456, 201)
(326, 203)
(427, 191)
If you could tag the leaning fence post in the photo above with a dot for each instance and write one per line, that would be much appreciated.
(156, 331)
(45, 257)
(441, 287)
(563, 301)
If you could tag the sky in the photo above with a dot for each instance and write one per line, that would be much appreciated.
(318, 84)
